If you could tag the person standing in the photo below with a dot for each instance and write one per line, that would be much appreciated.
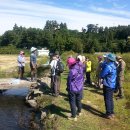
(21, 64)
(74, 88)
(55, 76)
(33, 64)
(88, 71)
(59, 70)
(84, 64)
(120, 76)
(108, 75)
(98, 71)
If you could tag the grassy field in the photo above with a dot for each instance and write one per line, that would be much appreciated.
(93, 109)
(93, 104)
(8, 65)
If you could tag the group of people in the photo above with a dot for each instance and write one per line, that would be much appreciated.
(109, 73)
(33, 64)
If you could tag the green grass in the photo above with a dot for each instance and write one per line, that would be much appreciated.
(93, 109)
(93, 105)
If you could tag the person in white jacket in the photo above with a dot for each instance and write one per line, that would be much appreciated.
(55, 77)
(21, 64)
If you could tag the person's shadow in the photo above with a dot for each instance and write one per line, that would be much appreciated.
(96, 91)
(63, 94)
(93, 110)
(58, 110)
(43, 87)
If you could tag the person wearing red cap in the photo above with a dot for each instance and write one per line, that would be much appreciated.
(21, 64)
(74, 88)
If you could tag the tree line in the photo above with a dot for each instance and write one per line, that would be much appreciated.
(57, 37)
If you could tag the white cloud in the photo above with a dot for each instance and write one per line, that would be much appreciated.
(119, 6)
(111, 11)
(35, 15)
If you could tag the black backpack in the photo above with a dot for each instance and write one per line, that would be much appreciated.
(59, 67)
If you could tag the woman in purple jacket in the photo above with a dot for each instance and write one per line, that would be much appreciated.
(75, 83)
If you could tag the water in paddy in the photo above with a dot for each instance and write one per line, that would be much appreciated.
(14, 114)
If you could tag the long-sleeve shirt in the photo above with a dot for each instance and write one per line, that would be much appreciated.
(88, 66)
(33, 59)
(121, 69)
(109, 74)
(21, 61)
(53, 65)
(75, 78)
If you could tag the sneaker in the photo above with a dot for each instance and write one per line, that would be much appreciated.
(109, 117)
(113, 115)
(119, 97)
(72, 118)
(60, 96)
(79, 114)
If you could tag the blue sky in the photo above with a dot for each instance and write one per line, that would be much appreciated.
(76, 13)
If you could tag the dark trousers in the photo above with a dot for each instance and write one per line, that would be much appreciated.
(55, 84)
(33, 72)
(20, 72)
(75, 102)
(88, 77)
(108, 99)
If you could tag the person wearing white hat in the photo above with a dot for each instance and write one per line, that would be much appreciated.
(33, 49)
(33, 63)
(21, 64)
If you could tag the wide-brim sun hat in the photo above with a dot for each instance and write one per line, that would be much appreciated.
(79, 57)
(105, 55)
(118, 57)
(111, 57)
(71, 61)
(33, 49)
(83, 58)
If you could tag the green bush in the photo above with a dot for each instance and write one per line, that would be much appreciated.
(10, 49)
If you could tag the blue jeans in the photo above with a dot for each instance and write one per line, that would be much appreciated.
(108, 99)
(75, 102)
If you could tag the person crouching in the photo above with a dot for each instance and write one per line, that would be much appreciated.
(75, 83)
